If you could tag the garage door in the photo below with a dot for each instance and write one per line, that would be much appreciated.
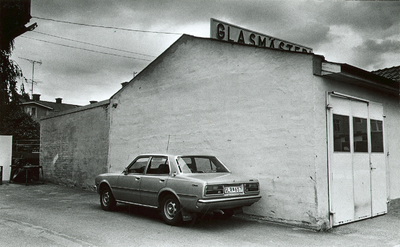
(357, 175)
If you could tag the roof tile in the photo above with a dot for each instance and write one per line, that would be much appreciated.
(392, 73)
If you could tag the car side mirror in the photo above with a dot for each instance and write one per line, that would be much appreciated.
(174, 174)
(126, 171)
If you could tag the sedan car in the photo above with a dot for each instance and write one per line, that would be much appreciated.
(180, 186)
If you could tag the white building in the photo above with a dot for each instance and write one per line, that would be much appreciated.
(321, 137)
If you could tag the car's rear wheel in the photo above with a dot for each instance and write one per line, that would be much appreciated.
(171, 210)
(107, 200)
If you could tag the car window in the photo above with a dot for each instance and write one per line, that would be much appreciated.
(158, 165)
(183, 167)
(139, 165)
(200, 164)
(189, 163)
(205, 165)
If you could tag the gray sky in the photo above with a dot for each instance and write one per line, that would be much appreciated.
(365, 34)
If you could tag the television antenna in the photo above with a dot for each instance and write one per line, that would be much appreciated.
(33, 71)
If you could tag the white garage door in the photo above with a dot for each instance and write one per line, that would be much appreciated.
(357, 175)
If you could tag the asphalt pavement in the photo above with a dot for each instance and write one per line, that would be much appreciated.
(56, 215)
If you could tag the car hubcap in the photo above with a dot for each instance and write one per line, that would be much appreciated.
(106, 198)
(170, 209)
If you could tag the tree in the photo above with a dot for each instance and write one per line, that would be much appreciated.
(13, 120)
(9, 73)
(14, 14)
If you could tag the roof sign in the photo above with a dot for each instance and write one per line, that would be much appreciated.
(227, 32)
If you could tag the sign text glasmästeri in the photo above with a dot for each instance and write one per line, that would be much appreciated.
(231, 33)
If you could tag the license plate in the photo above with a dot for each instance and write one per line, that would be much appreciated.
(233, 189)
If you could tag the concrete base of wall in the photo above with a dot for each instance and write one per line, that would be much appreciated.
(394, 204)
(318, 226)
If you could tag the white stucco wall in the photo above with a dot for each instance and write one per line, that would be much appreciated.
(392, 124)
(253, 108)
(5, 156)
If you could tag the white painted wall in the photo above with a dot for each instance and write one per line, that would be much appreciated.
(253, 108)
(6, 155)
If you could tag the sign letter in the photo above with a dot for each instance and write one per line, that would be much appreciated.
(252, 41)
(221, 31)
(272, 44)
(261, 42)
(281, 45)
(241, 38)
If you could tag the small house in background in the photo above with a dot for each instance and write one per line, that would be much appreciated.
(37, 108)
(26, 151)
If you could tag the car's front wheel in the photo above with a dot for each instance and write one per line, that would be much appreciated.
(171, 210)
(107, 200)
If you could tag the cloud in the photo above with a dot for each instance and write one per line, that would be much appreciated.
(372, 52)
(372, 18)
(310, 34)
(361, 33)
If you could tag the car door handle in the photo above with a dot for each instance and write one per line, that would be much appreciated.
(137, 178)
(162, 180)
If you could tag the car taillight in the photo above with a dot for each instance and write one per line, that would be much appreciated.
(251, 187)
(214, 189)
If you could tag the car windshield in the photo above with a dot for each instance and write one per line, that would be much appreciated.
(203, 164)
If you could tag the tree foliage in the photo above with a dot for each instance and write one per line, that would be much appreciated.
(13, 120)
(9, 73)
(20, 125)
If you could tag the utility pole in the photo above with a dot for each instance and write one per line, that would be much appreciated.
(33, 71)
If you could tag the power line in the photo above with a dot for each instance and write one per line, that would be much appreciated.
(108, 27)
(87, 43)
(74, 47)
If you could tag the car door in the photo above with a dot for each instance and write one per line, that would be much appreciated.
(128, 185)
(154, 180)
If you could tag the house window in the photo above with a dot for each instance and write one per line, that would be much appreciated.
(34, 112)
(341, 133)
(376, 136)
(360, 135)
